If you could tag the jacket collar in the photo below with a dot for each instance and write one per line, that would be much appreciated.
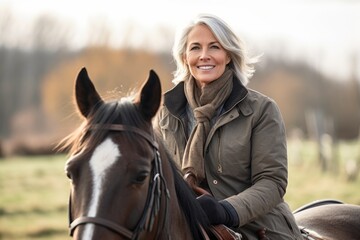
(237, 94)
(175, 99)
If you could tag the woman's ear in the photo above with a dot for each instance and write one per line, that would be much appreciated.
(184, 59)
(228, 59)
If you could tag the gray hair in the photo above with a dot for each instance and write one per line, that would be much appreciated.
(240, 63)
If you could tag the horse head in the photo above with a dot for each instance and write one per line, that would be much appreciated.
(111, 167)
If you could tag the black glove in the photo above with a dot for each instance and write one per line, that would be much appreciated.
(218, 212)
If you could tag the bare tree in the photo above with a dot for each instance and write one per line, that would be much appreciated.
(99, 33)
(6, 65)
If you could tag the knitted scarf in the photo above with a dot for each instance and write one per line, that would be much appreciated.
(204, 103)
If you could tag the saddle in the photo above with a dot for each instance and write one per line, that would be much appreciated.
(221, 232)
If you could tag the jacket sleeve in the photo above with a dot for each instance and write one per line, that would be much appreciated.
(268, 166)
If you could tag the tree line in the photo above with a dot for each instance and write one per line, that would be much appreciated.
(38, 71)
(36, 90)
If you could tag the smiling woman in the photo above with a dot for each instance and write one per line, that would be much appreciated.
(228, 140)
(205, 56)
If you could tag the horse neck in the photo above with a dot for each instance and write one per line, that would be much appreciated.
(179, 227)
(176, 224)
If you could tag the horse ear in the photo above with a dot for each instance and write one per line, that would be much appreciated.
(150, 96)
(87, 98)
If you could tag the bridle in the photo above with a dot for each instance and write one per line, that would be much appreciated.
(153, 199)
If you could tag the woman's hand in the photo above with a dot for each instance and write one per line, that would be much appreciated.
(218, 212)
(191, 180)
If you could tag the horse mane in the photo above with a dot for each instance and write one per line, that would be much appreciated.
(192, 210)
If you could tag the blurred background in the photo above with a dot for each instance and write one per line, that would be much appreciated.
(310, 66)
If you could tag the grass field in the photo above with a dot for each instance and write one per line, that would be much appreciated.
(34, 191)
(33, 198)
(307, 182)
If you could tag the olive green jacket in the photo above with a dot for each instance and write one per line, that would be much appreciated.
(245, 157)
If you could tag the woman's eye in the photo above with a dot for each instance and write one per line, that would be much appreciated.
(194, 48)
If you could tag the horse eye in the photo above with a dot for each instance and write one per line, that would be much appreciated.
(71, 174)
(68, 174)
(140, 178)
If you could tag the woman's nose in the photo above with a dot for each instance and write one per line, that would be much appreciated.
(204, 55)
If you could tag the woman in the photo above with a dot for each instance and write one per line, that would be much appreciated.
(226, 138)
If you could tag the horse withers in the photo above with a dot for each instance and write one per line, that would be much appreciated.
(124, 184)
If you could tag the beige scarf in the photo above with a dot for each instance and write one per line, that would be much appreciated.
(204, 103)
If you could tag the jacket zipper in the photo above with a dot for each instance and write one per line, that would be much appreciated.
(219, 167)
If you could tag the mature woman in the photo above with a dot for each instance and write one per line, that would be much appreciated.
(226, 138)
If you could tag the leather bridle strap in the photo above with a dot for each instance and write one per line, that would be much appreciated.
(126, 128)
(102, 222)
(153, 200)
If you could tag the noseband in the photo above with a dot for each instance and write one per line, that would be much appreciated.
(153, 199)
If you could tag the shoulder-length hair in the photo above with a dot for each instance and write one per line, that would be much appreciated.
(241, 64)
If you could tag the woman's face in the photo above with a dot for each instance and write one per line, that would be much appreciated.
(205, 57)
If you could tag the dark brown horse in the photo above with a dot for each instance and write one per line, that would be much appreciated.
(125, 186)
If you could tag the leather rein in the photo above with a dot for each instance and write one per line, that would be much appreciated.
(153, 199)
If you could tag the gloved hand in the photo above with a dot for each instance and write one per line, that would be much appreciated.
(218, 212)
(190, 178)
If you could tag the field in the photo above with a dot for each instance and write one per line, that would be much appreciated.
(33, 198)
(34, 191)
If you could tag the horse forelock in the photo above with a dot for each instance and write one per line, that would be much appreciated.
(113, 112)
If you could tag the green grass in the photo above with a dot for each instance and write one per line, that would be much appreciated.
(33, 198)
(34, 190)
(307, 182)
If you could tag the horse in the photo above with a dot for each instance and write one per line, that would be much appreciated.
(124, 184)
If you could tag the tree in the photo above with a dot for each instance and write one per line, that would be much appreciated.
(115, 72)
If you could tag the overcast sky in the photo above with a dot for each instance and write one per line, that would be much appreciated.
(327, 32)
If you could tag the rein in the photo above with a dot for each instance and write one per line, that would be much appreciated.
(153, 199)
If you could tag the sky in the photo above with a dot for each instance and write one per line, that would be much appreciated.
(325, 32)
